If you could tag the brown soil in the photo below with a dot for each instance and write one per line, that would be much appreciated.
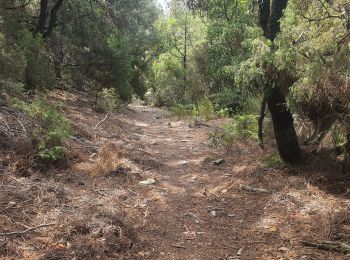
(194, 210)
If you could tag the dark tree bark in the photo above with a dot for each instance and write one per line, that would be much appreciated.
(347, 153)
(44, 14)
(283, 123)
(261, 123)
(277, 8)
(264, 15)
(40, 27)
(53, 18)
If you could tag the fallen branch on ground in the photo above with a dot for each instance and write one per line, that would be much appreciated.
(15, 233)
(328, 246)
(252, 189)
(100, 122)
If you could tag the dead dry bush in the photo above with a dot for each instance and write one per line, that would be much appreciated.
(340, 226)
(96, 235)
(15, 130)
(107, 159)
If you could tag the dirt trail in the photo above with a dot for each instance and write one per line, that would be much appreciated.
(197, 210)
(194, 210)
(190, 213)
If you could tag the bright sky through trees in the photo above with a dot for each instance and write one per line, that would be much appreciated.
(163, 3)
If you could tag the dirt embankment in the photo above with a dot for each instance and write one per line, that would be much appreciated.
(188, 208)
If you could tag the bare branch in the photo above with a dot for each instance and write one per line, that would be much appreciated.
(16, 233)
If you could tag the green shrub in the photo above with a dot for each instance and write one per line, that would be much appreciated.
(136, 100)
(181, 110)
(12, 63)
(223, 112)
(243, 127)
(13, 88)
(231, 99)
(38, 72)
(272, 160)
(204, 110)
(108, 100)
(168, 82)
(338, 133)
(51, 130)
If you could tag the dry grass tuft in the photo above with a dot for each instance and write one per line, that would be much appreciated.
(107, 159)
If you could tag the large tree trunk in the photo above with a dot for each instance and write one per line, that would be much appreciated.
(282, 119)
(285, 135)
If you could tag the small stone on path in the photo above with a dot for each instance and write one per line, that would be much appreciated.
(148, 182)
(218, 161)
(183, 163)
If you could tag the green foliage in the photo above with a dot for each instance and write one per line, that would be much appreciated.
(272, 160)
(204, 110)
(93, 44)
(51, 130)
(12, 61)
(108, 100)
(38, 72)
(223, 112)
(182, 110)
(337, 136)
(243, 127)
(168, 80)
(114, 43)
(175, 77)
(13, 88)
(24, 57)
(231, 99)
(312, 47)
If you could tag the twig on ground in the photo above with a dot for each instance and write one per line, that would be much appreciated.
(179, 246)
(100, 122)
(15, 233)
(328, 246)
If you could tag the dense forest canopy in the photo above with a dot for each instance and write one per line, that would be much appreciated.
(233, 56)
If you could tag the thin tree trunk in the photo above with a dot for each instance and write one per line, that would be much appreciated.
(53, 18)
(40, 27)
(185, 58)
(261, 123)
(347, 153)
